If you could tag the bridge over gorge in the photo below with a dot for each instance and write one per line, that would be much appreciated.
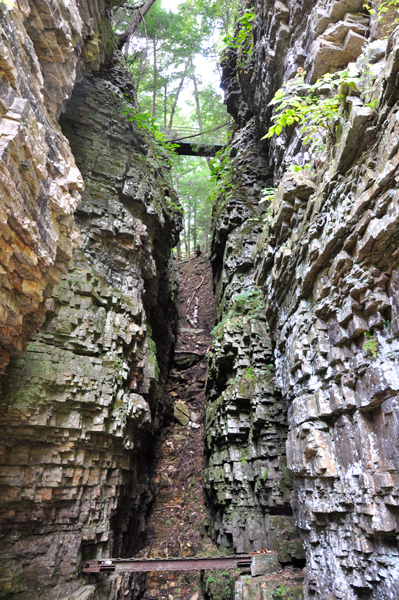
(193, 142)
(260, 562)
(194, 563)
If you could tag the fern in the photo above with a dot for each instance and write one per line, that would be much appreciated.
(371, 344)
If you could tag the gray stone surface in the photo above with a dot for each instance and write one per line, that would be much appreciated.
(327, 264)
(267, 587)
(246, 478)
(81, 409)
(264, 564)
(181, 412)
(45, 48)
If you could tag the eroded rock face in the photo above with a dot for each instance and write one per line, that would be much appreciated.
(45, 47)
(337, 365)
(79, 411)
(327, 263)
(246, 479)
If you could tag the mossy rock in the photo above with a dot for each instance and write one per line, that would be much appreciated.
(219, 585)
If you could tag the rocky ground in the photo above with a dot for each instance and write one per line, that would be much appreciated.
(176, 524)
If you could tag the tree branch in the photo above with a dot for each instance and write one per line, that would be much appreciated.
(136, 7)
(135, 22)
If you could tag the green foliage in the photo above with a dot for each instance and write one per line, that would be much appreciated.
(248, 305)
(173, 206)
(7, 2)
(382, 9)
(219, 13)
(241, 40)
(265, 474)
(298, 168)
(373, 104)
(162, 59)
(371, 344)
(118, 363)
(244, 26)
(162, 56)
(222, 170)
(191, 175)
(219, 585)
(314, 107)
(267, 195)
(248, 301)
(249, 374)
(279, 592)
(145, 122)
(222, 177)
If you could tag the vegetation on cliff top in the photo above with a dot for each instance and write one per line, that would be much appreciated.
(168, 54)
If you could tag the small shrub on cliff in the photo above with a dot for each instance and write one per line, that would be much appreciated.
(219, 585)
(382, 9)
(267, 195)
(242, 40)
(222, 176)
(249, 304)
(314, 107)
(371, 344)
(145, 122)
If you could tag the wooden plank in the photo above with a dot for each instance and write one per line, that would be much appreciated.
(194, 563)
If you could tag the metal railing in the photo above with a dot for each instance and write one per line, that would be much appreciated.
(189, 134)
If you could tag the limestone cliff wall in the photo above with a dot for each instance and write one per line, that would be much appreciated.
(246, 479)
(45, 47)
(326, 262)
(81, 406)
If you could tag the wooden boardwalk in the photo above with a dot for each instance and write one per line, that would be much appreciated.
(195, 563)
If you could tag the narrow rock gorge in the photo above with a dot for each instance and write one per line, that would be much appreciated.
(101, 387)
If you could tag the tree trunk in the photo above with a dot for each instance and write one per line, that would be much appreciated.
(197, 102)
(188, 244)
(154, 91)
(205, 239)
(165, 104)
(195, 223)
(198, 108)
(126, 50)
(134, 23)
(179, 89)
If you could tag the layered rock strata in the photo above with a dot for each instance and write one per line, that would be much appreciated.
(45, 47)
(79, 411)
(246, 480)
(327, 263)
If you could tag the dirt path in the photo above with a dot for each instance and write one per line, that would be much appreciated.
(176, 523)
